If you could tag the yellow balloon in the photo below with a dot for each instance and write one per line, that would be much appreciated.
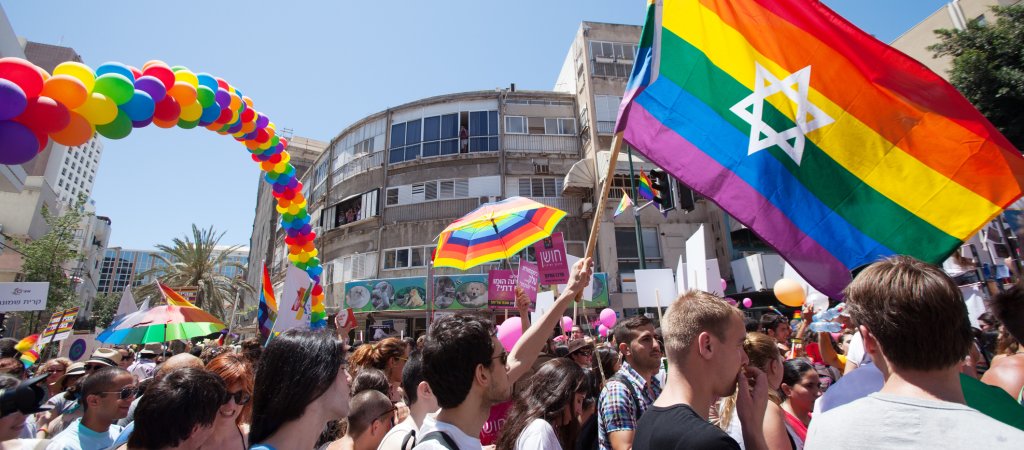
(285, 157)
(98, 109)
(303, 256)
(312, 253)
(293, 209)
(281, 209)
(79, 71)
(293, 258)
(789, 292)
(187, 77)
(280, 167)
(191, 112)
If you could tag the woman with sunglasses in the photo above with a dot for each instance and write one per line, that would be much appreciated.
(546, 414)
(231, 427)
(55, 369)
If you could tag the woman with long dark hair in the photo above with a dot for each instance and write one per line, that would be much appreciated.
(546, 414)
(801, 386)
(231, 427)
(301, 384)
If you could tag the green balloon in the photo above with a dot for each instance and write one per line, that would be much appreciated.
(313, 262)
(119, 128)
(182, 123)
(206, 96)
(115, 86)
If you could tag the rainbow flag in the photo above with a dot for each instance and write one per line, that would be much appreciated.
(626, 202)
(644, 190)
(266, 315)
(26, 343)
(173, 298)
(833, 147)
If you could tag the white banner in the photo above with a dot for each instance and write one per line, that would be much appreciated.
(294, 302)
(23, 296)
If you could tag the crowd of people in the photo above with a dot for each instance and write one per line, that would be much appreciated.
(907, 371)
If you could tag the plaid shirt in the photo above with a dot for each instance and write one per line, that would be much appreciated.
(616, 407)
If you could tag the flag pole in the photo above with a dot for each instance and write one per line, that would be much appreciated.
(595, 227)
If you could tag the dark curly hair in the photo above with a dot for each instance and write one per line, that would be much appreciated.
(197, 391)
(455, 346)
(551, 390)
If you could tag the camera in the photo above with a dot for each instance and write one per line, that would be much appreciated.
(27, 397)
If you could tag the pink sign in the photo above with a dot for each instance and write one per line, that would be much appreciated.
(527, 280)
(501, 289)
(551, 261)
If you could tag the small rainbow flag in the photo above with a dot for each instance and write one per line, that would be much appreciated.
(266, 315)
(644, 189)
(623, 204)
(834, 148)
(173, 298)
(27, 343)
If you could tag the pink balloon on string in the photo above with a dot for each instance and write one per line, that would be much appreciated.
(566, 324)
(602, 330)
(725, 284)
(747, 302)
(608, 318)
(509, 332)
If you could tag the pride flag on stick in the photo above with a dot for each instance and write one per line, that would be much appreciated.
(833, 147)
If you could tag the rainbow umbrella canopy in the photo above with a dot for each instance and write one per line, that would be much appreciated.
(495, 231)
(161, 324)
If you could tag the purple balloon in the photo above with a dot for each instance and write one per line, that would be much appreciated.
(12, 100)
(278, 188)
(316, 279)
(142, 123)
(262, 121)
(152, 86)
(223, 98)
(306, 229)
(19, 144)
(236, 127)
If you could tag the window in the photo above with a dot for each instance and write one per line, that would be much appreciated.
(607, 108)
(363, 146)
(540, 187)
(441, 135)
(392, 197)
(405, 141)
(560, 126)
(628, 257)
(515, 124)
(356, 208)
(401, 258)
(612, 59)
(483, 131)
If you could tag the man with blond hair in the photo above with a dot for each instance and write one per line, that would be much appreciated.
(704, 345)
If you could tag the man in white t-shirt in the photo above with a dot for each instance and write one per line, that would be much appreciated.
(469, 371)
(897, 303)
(421, 403)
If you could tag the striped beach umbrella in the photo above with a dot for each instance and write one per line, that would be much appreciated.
(161, 324)
(495, 231)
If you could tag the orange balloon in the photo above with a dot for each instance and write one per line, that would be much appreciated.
(66, 89)
(165, 124)
(78, 131)
(184, 93)
(789, 292)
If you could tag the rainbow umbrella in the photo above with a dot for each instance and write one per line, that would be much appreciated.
(161, 324)
(495, 231)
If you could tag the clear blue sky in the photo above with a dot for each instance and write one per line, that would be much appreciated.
(315, 67)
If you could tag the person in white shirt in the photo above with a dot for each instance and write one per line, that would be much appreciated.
(546, 414)
(421, 403)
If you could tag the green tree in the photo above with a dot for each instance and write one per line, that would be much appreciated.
(988, 68)
(196, 261)
(103, 309)
(43, 260)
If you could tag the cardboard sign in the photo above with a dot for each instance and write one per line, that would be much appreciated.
(552, 261)
(30, 296)
(501, 289)
(527, 279)
(655, 287)
(80, 347)
(696, 268)
(545, 301)
(67, 323)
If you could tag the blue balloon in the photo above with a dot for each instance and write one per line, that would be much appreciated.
(115, 67)
(207, 80)
(210, 115)
(140, 107)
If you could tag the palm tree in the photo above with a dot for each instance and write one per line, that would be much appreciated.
(196, 261)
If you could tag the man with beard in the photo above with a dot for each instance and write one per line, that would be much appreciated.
(632, 389)
(469, 371)
(704, 343)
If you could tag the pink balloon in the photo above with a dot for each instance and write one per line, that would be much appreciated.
(509, 332)
(608, 317)
(725, 284)
(602, 330)
(731, 301)
(566, 324)
(747, 302)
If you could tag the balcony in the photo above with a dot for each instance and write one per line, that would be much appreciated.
(541, 143)
(358, 166)
(571, 205)
(433, 210)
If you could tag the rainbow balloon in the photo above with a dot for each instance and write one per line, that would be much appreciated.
(75, 102)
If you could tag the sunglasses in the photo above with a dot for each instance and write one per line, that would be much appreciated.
(503, 356)
(585, 353)
(54, 370)
(125, 393)
(240, 397)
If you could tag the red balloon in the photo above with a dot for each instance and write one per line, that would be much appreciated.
(24, 74)
(223, 84)
(225, 116)
(275, 159)
(317, 290)
(167, 109)
(136, 72)
(311, 236)
(44, 115)
(262, 136)
(248, 115)
(162, 73)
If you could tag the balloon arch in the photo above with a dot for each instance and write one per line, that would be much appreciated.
(75, 102)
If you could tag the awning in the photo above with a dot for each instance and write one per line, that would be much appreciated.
(581, 175)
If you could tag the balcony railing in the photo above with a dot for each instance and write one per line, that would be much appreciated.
(358, 166)
(571, 205)
(440, 209)
(542, 143)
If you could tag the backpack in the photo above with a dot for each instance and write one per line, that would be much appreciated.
(411, 437)
(441, 438)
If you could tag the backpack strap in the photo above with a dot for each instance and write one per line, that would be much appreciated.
(619, 377)
(411, 437)
(441, 438)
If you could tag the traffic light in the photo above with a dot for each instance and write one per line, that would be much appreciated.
(662, 190)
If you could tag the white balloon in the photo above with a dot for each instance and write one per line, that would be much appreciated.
(817, 300)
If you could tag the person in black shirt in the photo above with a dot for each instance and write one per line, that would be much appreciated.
(704, 344)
